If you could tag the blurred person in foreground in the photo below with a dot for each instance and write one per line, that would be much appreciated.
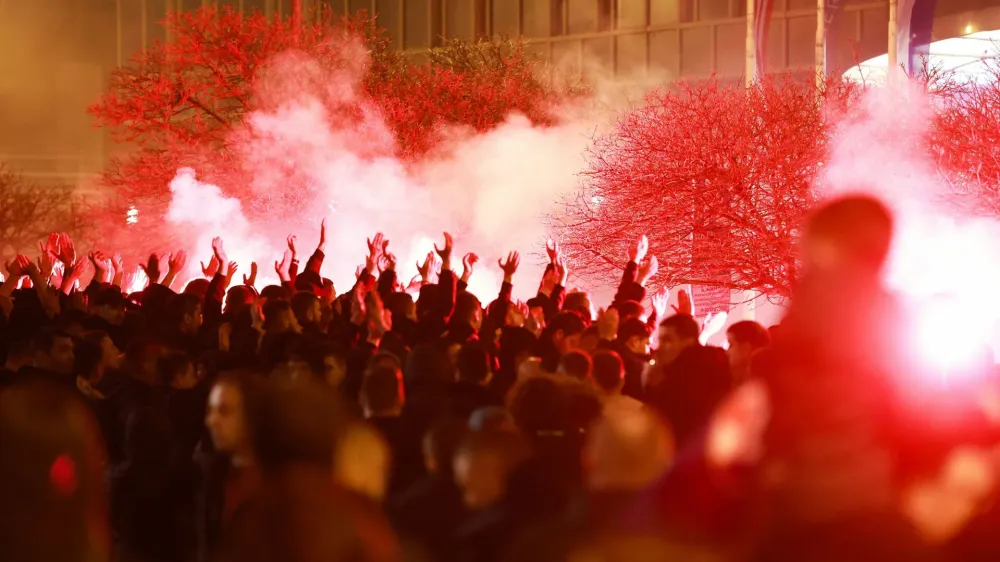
(301, 435)
(827, 453)
(625, 454)
(51, 460)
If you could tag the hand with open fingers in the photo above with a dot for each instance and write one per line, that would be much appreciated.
(637, 252)
(684, 304)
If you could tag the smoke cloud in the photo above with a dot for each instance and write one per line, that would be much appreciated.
(944, 259)
(490, 190)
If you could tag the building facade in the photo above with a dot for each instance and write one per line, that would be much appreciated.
(55, 55)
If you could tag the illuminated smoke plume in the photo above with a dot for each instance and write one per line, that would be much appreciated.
(945, 260)
(490, 190)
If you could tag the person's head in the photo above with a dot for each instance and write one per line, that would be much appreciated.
(609, 371)
(87, 361)
(111, 356)
(677, 333)
(109, 303)
(185, 313)
(629, 310)
(634, 336)
(362, 460)
(140, 361)
(238, 296)
(744, 339)
(331, 362)
(469, 310)
(226, 416)
(473, 364)
(176, 369)
(307, 308)
(51, 467)
(279, 317)
(852, 233)
(382, 392)
(440, 443)
(590, 339)
(628, 451)
(579, 302)
(565, 331)
(197, 287)
(52, 350)
(483, 464)
(19, 354)
(575, 364)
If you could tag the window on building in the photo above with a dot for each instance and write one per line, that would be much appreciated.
(632, 13)
(506, 18)
(709, 10)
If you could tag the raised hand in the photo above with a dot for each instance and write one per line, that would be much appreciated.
(118, 264)
(607, 324)
(517, 314)
(358, 271)
(291, 245)
(51, 246)
(445, 252)
(552, 249)
(374, 249)
(322, 236)
(647, 269)
(509, 267)
(152, 268)
(15, 269)
(100, 265)
(637, 252)
(660, 300)
(67, 252)
(177, 261)
(211, 269)
(562, 272)
(220, 251)
(282, 267)
(684, 304)
(231, 270)
(46, 264)
(714, 323)
(252, 280)
(469, 262)
(424, 269)
(414, 286)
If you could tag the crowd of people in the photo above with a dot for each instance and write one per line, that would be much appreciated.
(393, 423)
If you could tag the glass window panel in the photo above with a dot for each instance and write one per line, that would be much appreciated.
(597, 55)
(630, 55)
(537, 17)
(664, 55)
(366, 5)
(801, 5)
(801, 41)
(664, 12)
(632, 13)
(505, 18)
(418, 24)
(566, 55)
(460, 19)
(874, 33)
(776, 46)
(730, 49)
(841, 37)
(713, 9)
(387, 12)
(696, 51)
(583, 15)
